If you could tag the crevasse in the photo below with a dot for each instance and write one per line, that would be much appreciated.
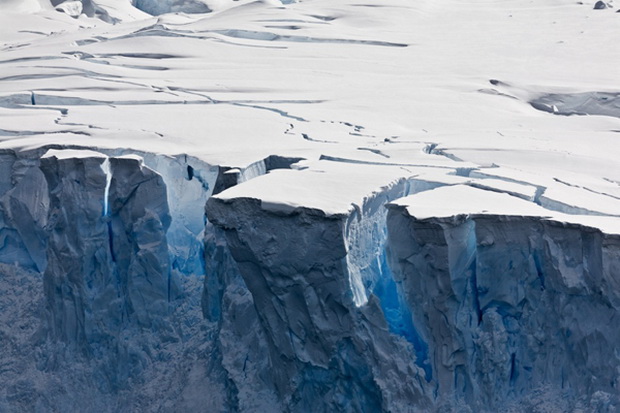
(369, 272)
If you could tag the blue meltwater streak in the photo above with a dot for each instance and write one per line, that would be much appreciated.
(398, 315)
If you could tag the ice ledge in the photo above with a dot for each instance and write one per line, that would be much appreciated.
(73, 153)
(330, 188)
(459, 202)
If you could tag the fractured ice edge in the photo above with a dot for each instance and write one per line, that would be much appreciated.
(429, 238)
(120, 295)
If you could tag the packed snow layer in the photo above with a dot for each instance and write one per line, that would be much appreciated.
(294, 124)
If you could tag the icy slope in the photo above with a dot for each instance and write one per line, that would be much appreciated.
(308, 206)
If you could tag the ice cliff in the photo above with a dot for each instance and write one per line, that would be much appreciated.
(146, 301)
(329, 346)
(309, 206)
(512, 306)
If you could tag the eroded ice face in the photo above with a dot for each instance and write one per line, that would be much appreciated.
(209, 228)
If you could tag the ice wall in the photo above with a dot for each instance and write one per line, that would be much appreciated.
(126, 293)
(513, 307)
(119, 246)
(112, 255)
(24, 203)
(327, 350)
(107, 274)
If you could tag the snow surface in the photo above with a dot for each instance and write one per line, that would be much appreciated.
(292, 122)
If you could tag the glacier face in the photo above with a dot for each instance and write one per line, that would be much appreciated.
(193, 206)
(512, 305)
(326, 350)
(105, 266)
(292, 309)
(25, 202)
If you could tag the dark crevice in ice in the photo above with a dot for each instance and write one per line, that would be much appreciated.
(612, 181)
(539, 269)
(268, 36)
(540, 190)
(481, 185)
(432, 149)
(360, 162)
(375, 151)
(111, 241)
(496, 82)
(308, 138)
(229, 176)
(585, 188)
(278, 111)
(5, 132)
(513, 369)
(475, 291)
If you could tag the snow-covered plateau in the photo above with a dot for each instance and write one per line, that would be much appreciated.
(309, 206)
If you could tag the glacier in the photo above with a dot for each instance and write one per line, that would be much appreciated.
(309, 206)
(509, 304)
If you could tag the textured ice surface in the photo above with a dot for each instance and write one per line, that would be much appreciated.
(322, 343)
(192, 206)
(156, 7)
(508, 304)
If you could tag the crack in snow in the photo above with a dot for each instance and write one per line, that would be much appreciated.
(375, 151)
(586, 188)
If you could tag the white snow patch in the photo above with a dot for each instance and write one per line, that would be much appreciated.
(73, 153)
(455, 200)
